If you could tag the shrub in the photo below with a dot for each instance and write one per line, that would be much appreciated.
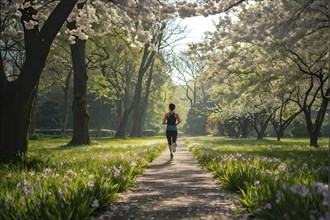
(299, 129)
(102, 133)
(35, 136)
(149, 132)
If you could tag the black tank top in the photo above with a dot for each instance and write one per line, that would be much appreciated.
(171, 119)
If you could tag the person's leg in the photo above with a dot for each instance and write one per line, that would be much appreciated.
(174, 137)
(169, 141)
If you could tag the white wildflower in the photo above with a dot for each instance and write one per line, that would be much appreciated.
(90, 184)
(256, 183)
(48, 170)
(95, 203)
(282, 167)
(61, 193)
(9, 198)
(28, 191)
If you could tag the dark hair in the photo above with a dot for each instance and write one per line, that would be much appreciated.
(171, 106)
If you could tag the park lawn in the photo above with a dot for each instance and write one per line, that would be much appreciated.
(58, 182)
(276, 180)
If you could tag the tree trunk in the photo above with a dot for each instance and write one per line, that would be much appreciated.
(119, 111)
(279, 135)
(33, 123)
(245, 128)
(144, 107)
(121, 132)
(148, 58)
(66, 110)
(15, 119)
(313, 141)
(260, 136)
(315, 130)
(79, 107)
(136, 109)
(16, 97)
(80, 134)
(66, 102)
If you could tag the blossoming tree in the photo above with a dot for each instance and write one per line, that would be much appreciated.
(41, 22)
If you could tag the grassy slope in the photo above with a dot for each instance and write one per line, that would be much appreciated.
(56, 146)
(277, 180)
(267, 147)
(57, 182)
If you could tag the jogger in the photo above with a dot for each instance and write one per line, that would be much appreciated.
(171, 119)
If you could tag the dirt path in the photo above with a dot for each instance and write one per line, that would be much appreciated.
(177, 189)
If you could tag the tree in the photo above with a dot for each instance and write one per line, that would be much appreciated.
(284, 116)
(312, 96)
(16, 97)
(118, 65)
(59, 71)
(80, 134)
(260, 46)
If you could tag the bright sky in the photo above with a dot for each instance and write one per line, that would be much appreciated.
(196, 27)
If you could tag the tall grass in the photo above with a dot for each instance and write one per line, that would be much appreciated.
(56, 182)
(276, 180)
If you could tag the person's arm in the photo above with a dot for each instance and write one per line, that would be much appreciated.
(165, 120)
(177, 119)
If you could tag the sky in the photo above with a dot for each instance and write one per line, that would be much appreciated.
(196, 27)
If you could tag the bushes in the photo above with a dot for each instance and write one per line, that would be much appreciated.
(59, 132)
(102, 133)
(149, 132)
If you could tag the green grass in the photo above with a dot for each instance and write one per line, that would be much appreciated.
(58, 182)
(276, 180)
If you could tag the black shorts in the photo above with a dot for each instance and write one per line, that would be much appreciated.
(171, 136)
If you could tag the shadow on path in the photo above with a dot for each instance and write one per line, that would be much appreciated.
(177, 189)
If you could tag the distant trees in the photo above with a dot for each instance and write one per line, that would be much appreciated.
(188, 67)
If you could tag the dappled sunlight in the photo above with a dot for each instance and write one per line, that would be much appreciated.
(92, 92)
(174, 189)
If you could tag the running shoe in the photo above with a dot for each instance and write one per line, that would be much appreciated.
(174, 147)
(171, 158)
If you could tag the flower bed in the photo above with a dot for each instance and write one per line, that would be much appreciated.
(290, 184)
(70, 183)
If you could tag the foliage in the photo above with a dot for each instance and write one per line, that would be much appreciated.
(149, 132)
(71, 183)
(299, 128)
(263, 62)
(196, 121)
(285, 180)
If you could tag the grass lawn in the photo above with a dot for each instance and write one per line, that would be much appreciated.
(57, 182)
(276, 180)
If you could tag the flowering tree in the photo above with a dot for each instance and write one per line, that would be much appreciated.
(277, 46)
(17, 97)
(41, 22)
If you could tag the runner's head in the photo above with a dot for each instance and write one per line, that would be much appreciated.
(171, 107)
